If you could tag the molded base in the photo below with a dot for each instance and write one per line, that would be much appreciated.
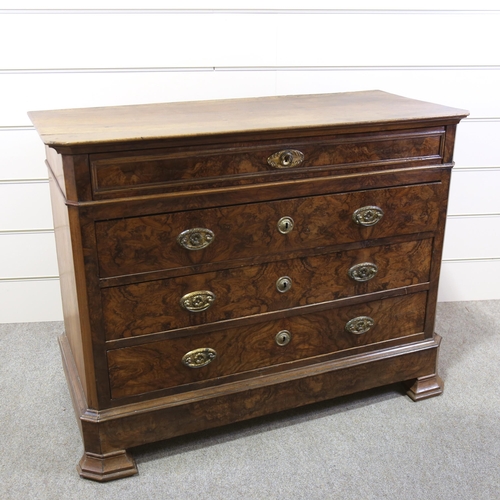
(117, 429)
(107, 467)
(425, 387)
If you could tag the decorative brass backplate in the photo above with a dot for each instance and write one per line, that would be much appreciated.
(359, 325)
(285, 225)
(198, 301)
(283, 338)
(284, 284)
(367, 216)
(363, 272)
(196, 238)
(199, 357)
(286, 159)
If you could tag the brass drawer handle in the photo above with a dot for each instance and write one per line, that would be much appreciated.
(199, 357)
(285, 225)
(284, 284)
(367, 216)
(359, 325)
(283, 338)
(197, 301)
(196, 238)
(363, 272)
(286, 159)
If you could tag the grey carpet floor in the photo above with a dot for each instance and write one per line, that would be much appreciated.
(374, 445)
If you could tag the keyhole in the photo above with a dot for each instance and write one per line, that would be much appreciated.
(285, 225)
(286, 158)
(283, 338)
(284, 284)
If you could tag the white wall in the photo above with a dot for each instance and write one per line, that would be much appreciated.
(127, 52)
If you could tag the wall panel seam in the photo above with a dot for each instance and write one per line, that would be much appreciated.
(7, 71)
(474, 216)
(41, 180)
(16, 232)
(472, 260)
(28, 279)
(251, 11)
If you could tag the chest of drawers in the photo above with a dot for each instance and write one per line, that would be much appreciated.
(223, 260)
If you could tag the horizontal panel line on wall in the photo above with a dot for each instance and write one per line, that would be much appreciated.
(473, 216)
(251, 68)
(250, 11)
(16, 128)
(472, 260)
(24, 181)
(483, 168)
(483, 120)
(15, 232)
(30, 278)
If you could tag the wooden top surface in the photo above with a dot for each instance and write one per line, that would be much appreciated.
(148, 122)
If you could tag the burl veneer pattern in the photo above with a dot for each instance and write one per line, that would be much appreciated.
(292, 301)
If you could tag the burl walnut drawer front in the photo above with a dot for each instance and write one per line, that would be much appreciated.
(155, 306)
(145, 171)
(160, 365)
(156, 242)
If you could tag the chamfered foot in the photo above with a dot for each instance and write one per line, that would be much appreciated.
(107, 467)
(425, 387)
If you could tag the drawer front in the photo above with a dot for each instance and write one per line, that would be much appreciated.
(113, 174)
(151, 243)
(159, 365)
(155, 306)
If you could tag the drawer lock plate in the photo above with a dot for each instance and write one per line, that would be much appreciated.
(283, 338)
(286, 159)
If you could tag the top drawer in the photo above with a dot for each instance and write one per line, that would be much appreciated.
(182, 169)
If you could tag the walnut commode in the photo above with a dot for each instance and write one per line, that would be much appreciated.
(222, 260)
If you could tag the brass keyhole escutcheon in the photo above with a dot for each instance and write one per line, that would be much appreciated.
(285, 225)
(286, 159)
(283, 338)
(284, 284)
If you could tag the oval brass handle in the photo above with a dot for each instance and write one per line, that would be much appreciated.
(285, 225)
(283, 338)
(195, 238)
(367, 216)
(359, 325)
(199, 357)
(363, 272)
(286, 159)
(197, 301)
(284, 284)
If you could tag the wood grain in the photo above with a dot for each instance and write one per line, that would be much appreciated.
(135, 245)
(154, 366)
(136, 177)
(116, 174)
(87, 128)
(154, 306)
